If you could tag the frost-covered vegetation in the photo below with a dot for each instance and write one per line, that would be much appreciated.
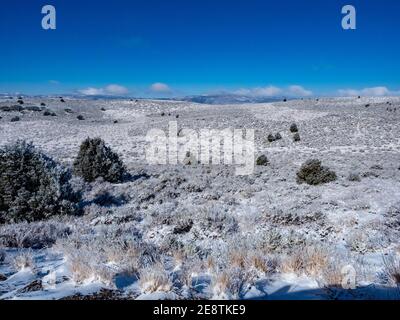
(33, 186)
(75, 227)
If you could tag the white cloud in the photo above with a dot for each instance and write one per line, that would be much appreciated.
(92, 91)
(372, 92)
(115, 89)
(160, 87)
(299, 91)
(110, 90)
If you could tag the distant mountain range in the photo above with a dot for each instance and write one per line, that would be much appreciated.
(204, 99)
(228, 99)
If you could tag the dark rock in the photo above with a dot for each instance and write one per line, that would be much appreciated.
(80, 117)
(104, 294)
(32, 287)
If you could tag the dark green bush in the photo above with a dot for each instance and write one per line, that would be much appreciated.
(313, 173)
(294, 128)
(262, 160)
(271, 138)
(32, 186)
(15, 119)
(95, 160)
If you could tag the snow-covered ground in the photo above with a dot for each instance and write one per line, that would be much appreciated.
(197, 231)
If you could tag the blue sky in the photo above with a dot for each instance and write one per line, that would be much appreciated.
(181, 47)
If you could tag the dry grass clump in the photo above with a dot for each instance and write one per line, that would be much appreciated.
(332, 276)
(80, 266)
(103, 257)
(24, 260)
(321, 264)
(392, 269)
(293, 263)
(311, 261)
(155, 279)
(235, 269)
(231, 283)
(262, 263)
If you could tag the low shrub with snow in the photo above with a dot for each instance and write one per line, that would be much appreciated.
(216, 219)
(33, 186)
(354, 177)
(105, 194)
(34, 235)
